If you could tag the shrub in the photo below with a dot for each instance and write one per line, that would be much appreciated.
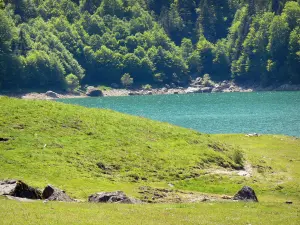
(126, 80)
(238, 157)
(206, 81)
(147, 87)
(72, 82)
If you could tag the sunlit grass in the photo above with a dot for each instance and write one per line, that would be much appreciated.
(84, 151)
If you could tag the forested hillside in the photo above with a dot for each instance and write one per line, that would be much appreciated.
(46, 44)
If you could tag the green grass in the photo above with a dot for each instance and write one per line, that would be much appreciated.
(84, 151)
(104, 88)
(52, 142)
(205, 213)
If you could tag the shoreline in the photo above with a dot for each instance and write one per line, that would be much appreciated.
(192, 89)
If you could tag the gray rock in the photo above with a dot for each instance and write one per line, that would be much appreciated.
(94, 92)
(164, 90)
(246, 194)
(54, 194)
(19, 189)
(216, 89)
(224, 85)
(112, 197)
(51, 94)
(206, 89)
(192, 90)
(132, 93)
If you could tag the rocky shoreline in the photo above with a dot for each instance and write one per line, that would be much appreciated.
(197, 86)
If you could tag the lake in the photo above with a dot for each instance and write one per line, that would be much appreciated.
(259, 112)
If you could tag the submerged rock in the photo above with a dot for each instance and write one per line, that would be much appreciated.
(112, 197)
(246, 194)
(54, 194)
(19, 189)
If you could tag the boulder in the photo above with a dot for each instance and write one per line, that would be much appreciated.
(164, 90)
(216, 89)
(51, 94)
(54, 194)
(19, 189)
(206, 90)
(246, 194)
(192, 90)
(93, 92)
(112, 197)
(225, 85)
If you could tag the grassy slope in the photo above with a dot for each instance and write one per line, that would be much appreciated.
(61, 144)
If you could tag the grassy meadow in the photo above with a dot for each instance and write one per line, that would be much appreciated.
(84, 151)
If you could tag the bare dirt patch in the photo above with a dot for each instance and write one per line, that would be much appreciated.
(161, 195)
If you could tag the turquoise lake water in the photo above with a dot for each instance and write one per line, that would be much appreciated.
(260, 112)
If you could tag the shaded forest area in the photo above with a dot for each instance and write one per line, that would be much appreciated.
(65, 43)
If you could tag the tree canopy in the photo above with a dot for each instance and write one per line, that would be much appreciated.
(66, 43)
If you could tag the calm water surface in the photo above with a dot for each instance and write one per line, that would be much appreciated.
(262, 112)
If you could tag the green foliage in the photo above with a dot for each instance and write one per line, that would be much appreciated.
(147, 87)
(43, 70)
(72, 82)
(207, 81)
(126, 80)
(165, 42)
(238, 157)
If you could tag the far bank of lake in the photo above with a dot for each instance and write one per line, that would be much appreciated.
(260, 112)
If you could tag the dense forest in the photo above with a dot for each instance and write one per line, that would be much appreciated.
(64, 43)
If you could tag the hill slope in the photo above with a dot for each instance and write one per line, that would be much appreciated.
(88, 150)
(50, 141)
